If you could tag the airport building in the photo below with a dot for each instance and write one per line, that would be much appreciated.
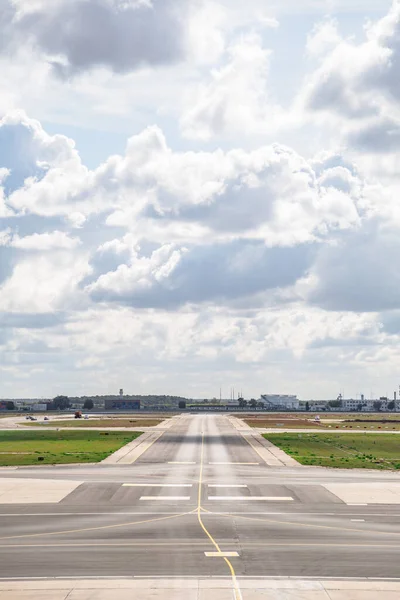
(367, 405)
(280, 402)
(122, 403)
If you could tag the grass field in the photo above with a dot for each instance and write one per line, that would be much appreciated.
(59, 447)
(346, 421)
(369, 451)
(144, 422)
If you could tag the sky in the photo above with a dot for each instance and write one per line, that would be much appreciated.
(199, 194)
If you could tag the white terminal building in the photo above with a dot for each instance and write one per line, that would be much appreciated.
(280, 401)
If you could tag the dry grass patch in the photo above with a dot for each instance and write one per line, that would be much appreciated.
(98, 423)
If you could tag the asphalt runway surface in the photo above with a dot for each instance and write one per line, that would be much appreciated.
(200, 502)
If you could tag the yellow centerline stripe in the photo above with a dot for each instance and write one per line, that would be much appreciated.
(237, 592)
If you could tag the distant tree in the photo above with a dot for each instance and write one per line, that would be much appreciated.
(88, 404)
(10, 405)
(391, 405)
(260, 404)
(377, 405)
(307, 405)
(253, 403)
(61, 402)
(242, 402)
(359, 406)
(182, 404)
(335, 403)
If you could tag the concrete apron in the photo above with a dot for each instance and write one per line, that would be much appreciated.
(198, 589)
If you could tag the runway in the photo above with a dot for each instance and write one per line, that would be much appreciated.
(201, 502)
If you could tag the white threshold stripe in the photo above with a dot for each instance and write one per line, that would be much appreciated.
(165, 498)
(351, 504)
(358, 520)
(233, 463)
(182, 463)
(221, 554)
(171, 485)
(226, 485)
(254, 498)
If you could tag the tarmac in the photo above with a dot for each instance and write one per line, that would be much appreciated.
(204, 509)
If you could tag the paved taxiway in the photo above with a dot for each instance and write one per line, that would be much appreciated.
(202, 502)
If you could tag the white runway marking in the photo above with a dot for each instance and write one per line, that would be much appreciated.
(165, 498)
(349, 504)
(233, 463)
(254, 498)
(182, 463)
(221, 554)
(171, 485)
(35, 491)
(226, 485)
(358, 520)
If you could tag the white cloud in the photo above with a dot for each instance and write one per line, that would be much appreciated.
(237, 98)
(76, 219)
(55, 240)
(174, 276)
(5, 237)
(205, 31)
(243, 222)
(43, 284)
(359, 273)
(355, 87)
(323, 38)
(270, 194)
(76, 36)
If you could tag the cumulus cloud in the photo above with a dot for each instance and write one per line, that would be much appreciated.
(272, 193)
(173, 276)
(55, 240)
(41, 173)
(378, 136)
(271, 242)
(237, 97)
(44, 283)
(324, 37)
(359, 273)
(267, 211)
(27, 152)
(356, 84)
(76, 35)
